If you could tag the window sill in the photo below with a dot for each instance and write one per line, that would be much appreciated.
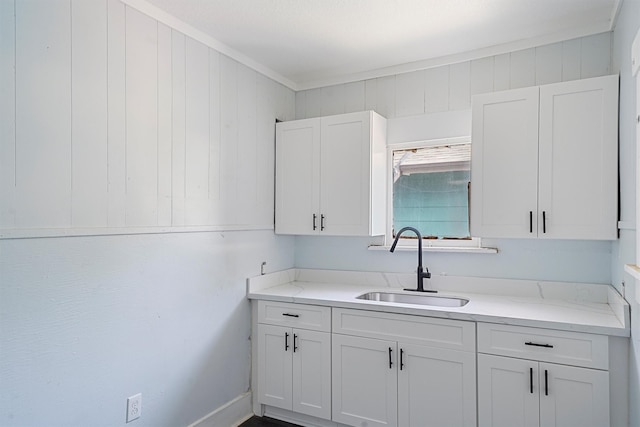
(447, 249)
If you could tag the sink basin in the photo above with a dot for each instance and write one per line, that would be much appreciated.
(414, 299)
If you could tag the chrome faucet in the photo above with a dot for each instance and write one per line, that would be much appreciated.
(421, 273)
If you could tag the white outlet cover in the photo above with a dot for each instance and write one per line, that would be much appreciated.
(134, 407)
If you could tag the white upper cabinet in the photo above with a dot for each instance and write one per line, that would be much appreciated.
(544, 161)
(504, 169)
(330, 175)
(297, 176)
(578, 158)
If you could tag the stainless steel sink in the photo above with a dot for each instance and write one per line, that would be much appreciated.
(414, 299)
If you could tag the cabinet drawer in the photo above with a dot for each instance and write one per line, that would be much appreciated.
(546, 345)
(303, 316)
(427, 331)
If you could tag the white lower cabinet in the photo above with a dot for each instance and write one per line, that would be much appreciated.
(374, 369)
(436, 387)
(420, 381)
(532, 393)
(294, 365)
(365, 381)
(573, 396)
(504, 396)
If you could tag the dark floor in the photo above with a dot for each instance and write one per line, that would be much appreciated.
(265, 422)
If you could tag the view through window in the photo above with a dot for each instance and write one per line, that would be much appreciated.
(431, 190)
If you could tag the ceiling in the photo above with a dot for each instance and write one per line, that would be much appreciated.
(311, 43)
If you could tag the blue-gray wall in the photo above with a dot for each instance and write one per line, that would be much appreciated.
(624, 250)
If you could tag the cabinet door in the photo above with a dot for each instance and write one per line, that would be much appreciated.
(508, 392)
(345, 175)
(578, 159)
(312, 373)
(298, 176)
(504, 164)
(436, 387)
(573, 397)
(274, 366)
(364, 378)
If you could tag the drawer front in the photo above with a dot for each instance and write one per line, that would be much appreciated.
(427, 331)
(546, 345)
(303, 316)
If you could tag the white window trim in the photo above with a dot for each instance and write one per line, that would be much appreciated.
(452, 245)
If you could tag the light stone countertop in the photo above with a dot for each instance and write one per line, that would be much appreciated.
(579, 307)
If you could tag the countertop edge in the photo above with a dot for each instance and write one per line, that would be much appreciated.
(449, 313)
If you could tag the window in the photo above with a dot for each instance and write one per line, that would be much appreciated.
(430, 191)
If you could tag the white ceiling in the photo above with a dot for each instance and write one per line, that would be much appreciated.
(317, 42)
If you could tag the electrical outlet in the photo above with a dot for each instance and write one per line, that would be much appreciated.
(134, 407)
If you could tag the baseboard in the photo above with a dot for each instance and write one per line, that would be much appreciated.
(298, 419)
(231, 414)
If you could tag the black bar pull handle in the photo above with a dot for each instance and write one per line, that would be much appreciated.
(535, 344)
(544, 221)
(530, 221)
(390, 361)
(286, 341)
(401, 359)
(295, 342)
(290, 315)
(531, 380)
(322, 222)
(315, 217)
(546, 383)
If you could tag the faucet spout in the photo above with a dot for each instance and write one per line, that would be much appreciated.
(421, 273)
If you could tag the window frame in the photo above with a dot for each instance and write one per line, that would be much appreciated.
(455, 244)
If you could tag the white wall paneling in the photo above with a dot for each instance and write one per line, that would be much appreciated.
(89, 113)
(113, 122)
(450, 87)
(179, 128)
(228, 136)
(502, 72)
(266, 98)
(165, 111)
(197, 134)
(116, 81)
(333, 100)
(370, 95)
(549, 64)
(481, 78)
(247, 160)
(571, 58)
(386, 96)
(523, 68)
(436, 90)
(141, 119)
(43, 114)
(410, 94)
(215, 159)
(301, 104)
(459, 86)
(595, 56)
(313, 100)
(354, 97)
(7, 114)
